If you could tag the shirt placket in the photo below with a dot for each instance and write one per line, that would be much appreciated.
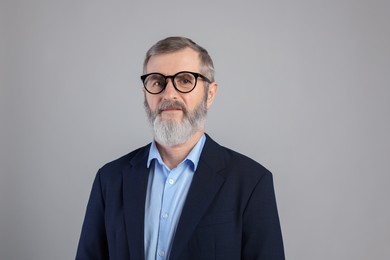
(165, 217)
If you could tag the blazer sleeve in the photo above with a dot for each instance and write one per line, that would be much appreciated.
(262, 237)
(93, 239)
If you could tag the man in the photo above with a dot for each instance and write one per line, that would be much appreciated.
(183, 196)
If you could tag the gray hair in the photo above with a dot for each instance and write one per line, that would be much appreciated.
(173, 44)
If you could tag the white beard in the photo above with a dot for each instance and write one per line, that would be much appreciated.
(170, 132)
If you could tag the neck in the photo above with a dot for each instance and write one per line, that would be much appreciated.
(173, 155)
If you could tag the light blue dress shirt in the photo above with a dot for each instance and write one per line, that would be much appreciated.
(166, 194)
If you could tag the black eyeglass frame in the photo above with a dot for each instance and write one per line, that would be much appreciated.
(196, 76)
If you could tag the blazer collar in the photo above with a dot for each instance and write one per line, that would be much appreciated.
(135, 180)
(206, 183)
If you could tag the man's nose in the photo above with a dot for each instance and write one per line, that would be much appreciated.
(170, 91)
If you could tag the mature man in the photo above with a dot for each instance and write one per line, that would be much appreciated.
(183, 196)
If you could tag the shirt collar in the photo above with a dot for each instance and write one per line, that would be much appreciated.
(192, 157)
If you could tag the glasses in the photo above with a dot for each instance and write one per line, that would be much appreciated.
(183, 81)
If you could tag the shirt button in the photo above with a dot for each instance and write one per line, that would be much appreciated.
(171, 181)
(161, 253)
(165, 215)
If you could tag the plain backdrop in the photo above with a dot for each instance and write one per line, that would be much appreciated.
(303, 89)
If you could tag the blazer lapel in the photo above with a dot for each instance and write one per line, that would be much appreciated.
(135, 179)
(205, 185)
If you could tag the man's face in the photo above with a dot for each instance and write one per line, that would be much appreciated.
(176, 116)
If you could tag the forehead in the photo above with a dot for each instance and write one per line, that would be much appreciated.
(171, 63)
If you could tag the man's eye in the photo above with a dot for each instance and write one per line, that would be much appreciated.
(157, 83)
(184, 81)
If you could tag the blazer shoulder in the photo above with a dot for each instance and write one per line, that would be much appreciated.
(116, 166)
(244, 163)
(235, 161)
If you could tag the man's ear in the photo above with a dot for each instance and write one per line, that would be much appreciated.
(213, 88)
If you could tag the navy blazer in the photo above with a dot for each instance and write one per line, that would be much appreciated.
(230, 211)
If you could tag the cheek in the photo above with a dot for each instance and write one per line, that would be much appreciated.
(193, 98)
(152, 102)
(194, 101)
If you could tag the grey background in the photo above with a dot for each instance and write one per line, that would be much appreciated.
(304, 89)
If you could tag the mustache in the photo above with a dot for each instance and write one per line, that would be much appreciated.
(172, 104)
